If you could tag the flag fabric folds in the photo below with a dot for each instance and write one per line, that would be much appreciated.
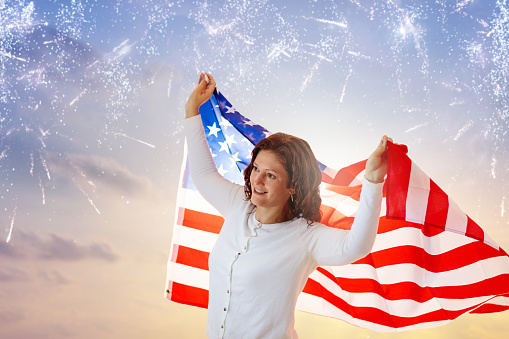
(429, 265)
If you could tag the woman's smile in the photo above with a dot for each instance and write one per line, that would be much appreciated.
(269, 182)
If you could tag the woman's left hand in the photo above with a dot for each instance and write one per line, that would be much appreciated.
(376, 166)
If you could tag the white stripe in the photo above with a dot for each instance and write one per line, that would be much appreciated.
(410, 236)
(489, 241)
(195, 201)
(343, 204)
(197, 239)
(188, 275)
(466, 275)
(383, 209)
(310, 303)
(456, 219)
(400, 308)
(417, 196)
(500, 301)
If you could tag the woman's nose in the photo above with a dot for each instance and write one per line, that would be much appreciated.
(258, 179)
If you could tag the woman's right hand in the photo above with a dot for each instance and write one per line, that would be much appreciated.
(201, 93)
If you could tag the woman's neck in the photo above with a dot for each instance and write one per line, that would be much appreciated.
(272, 216)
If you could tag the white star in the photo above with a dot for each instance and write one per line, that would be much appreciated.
(249, 156)
(213, 129)
(234, 159)
(221, 170)
(213, 155)
(248, 122)
(225, 123)
(224, 146)
(229, 110)
(267, 133)
(230, 139)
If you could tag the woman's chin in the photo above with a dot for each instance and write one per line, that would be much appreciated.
(255, 200)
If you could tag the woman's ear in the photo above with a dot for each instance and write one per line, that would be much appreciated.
(291, 191)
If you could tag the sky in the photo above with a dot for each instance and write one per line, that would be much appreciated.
(92, 98)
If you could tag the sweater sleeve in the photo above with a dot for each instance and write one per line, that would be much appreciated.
(218, 191)
(331, 246)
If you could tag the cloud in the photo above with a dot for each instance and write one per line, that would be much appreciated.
(54, 277)
(8, 274)
(90, 171)
(30, 245)
(10, 251)
(58, 248)
(9, 317)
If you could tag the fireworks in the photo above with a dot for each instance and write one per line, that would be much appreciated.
(442, 66)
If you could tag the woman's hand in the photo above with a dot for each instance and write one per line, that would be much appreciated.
(201, 93)
(376, 166)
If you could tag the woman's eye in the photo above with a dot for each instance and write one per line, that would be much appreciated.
(255, 168)
(272, 176)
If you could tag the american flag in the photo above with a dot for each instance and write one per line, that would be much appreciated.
(429, 265)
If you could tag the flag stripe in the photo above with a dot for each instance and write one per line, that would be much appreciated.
(317, 305)
(436, 212)
(488, 308)
(394, 233)
(193, 238)
(191, 257)
(378, 316)
(195, 201)
(408, 290)
(473, 273)
(404, 307)
(417, 196)
(454, 259)
(398, 190)
(190, 276)
(189, 295)
(202, 221)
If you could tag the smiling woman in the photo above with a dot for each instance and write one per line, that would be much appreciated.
(271, 240)
(276, 160)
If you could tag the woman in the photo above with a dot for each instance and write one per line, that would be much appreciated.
(271, 239)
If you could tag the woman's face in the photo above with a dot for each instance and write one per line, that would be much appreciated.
(269, 181)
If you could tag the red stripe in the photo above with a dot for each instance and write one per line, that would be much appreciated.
(326, 178)
(377, 316)
(398, 179)
(490, 309)
(493, 286)
(410, 290)
(331, 217)
(397, 291)
(202, 221)
(387, 225)
(345, 176)
(456, 258)
(473, 230)
(353, 192)
(189, 295)
(436, 212)
(191, 257)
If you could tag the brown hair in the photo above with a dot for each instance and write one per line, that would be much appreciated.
(303, 172)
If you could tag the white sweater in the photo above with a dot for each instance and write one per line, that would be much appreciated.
(257, 271)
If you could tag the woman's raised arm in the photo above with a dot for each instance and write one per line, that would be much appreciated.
(201, 93)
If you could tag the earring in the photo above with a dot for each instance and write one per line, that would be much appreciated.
(291, 196)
